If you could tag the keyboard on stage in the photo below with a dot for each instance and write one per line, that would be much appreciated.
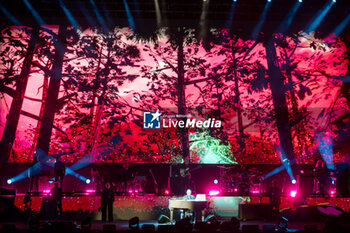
(193, 205)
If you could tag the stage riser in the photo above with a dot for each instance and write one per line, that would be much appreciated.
(151, 207)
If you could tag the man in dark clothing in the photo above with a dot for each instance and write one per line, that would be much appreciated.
(107, 200)
(60, 171)
(274, 199)
(56, 196)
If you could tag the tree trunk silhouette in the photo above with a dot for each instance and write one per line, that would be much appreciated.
(239, 107)
(279, 101)
(13, 116)
(42, 107)
(181, 105)
(93, 114)
(52, 95)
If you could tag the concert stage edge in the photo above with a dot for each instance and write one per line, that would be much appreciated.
(150, 207)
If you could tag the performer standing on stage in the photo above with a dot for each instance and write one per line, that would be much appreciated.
(321, 174)
(107, 200)
(56, 195)
(274, 199)
(60, 171)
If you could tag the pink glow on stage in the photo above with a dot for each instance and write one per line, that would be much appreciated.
(255, 192)
(130, 191)
(214, 192)
(46, 191)
(235, 190)
(90, 191)
(293, 193)
(333, 192)
(166, 192)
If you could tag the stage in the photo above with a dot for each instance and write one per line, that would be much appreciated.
(151, 207)
(294, 226)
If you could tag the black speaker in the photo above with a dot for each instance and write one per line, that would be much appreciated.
(253, 211)
(166, 228)
(148, 228)
(250, 228)
(109, 228)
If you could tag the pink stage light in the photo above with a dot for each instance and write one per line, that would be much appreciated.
(46, 191)
(235, 190)
(214, 192)
(166, 192)
(255, 192)
(293, 193)
(333, 192)
(136, 191)
(90, 191)
(130, 191)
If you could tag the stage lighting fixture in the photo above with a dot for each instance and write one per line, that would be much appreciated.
(269, 0)
(88, 181)
(234, 0)
(166, 192)
(216, 181)
(9, 181)
(294, 181)
(334, 0)
(134, 223)
(283, 225)
(300, 0)
(293, 193)
(333, 192)
(214, 192)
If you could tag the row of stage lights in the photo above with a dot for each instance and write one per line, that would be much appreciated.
(10, 181)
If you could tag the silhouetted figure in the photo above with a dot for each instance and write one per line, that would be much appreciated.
(27, 201)
(107, 200)
(274, 199)
(321, 174)
(60, 171)
(56, 196)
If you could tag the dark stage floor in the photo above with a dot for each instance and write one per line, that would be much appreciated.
(294, 226)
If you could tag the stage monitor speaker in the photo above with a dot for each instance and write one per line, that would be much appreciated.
(310, 227)
(166, 228)
(269, 228)
(109, 228)
(250, 228)
(148, 228)
(227, 226)
(253, 211)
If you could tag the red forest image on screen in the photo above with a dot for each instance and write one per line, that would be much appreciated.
(100, 84)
